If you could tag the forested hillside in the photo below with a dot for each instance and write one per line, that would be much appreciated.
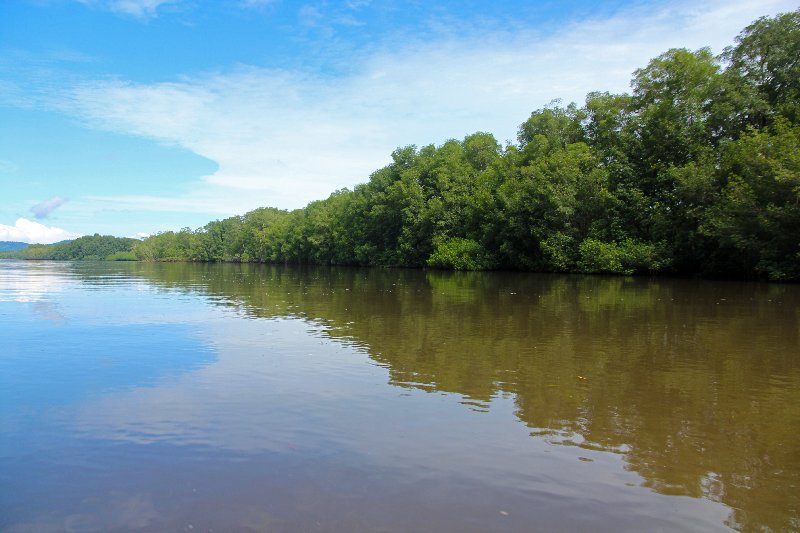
(90, 247)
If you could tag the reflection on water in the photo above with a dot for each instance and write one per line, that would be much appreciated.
(514, 401)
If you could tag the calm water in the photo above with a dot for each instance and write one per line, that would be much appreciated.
(178, 397)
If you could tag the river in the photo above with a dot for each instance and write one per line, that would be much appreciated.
(192, 397)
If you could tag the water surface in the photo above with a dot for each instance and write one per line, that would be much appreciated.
(250, 398)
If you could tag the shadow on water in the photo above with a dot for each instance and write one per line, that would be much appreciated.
(694, 383)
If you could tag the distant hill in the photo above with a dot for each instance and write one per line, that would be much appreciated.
(10, 246)
(90, 247)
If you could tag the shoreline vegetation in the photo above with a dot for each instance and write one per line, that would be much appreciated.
(695, 172)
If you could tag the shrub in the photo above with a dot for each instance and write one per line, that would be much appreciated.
(460, 254)
(122, 256)
(626, 257)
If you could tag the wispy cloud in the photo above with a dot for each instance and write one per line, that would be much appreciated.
(213, 200)
(358, 4)
(254, 4)
(310, 15)
(133, 8)
(6, 166)
(283, 137)
(25, 230)
(43, 209)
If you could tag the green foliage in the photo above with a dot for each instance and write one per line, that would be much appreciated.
(552, 127)
(460, 254)
(122, 256)
(757, 215)
(765, 57)
(627, 257)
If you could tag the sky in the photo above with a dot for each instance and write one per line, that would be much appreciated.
(130, 117)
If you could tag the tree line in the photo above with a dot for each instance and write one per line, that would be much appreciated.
(695, 171)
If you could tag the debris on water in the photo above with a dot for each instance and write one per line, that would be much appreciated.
(504, 513)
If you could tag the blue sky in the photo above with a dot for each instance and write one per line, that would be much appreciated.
(129, 117)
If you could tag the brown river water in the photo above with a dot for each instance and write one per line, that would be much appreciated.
(182, 397)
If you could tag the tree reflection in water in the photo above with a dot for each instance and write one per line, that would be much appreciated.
(694, 383)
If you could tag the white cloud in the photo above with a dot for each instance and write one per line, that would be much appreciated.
(283, 138)
(134, 8)
(32, 232)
